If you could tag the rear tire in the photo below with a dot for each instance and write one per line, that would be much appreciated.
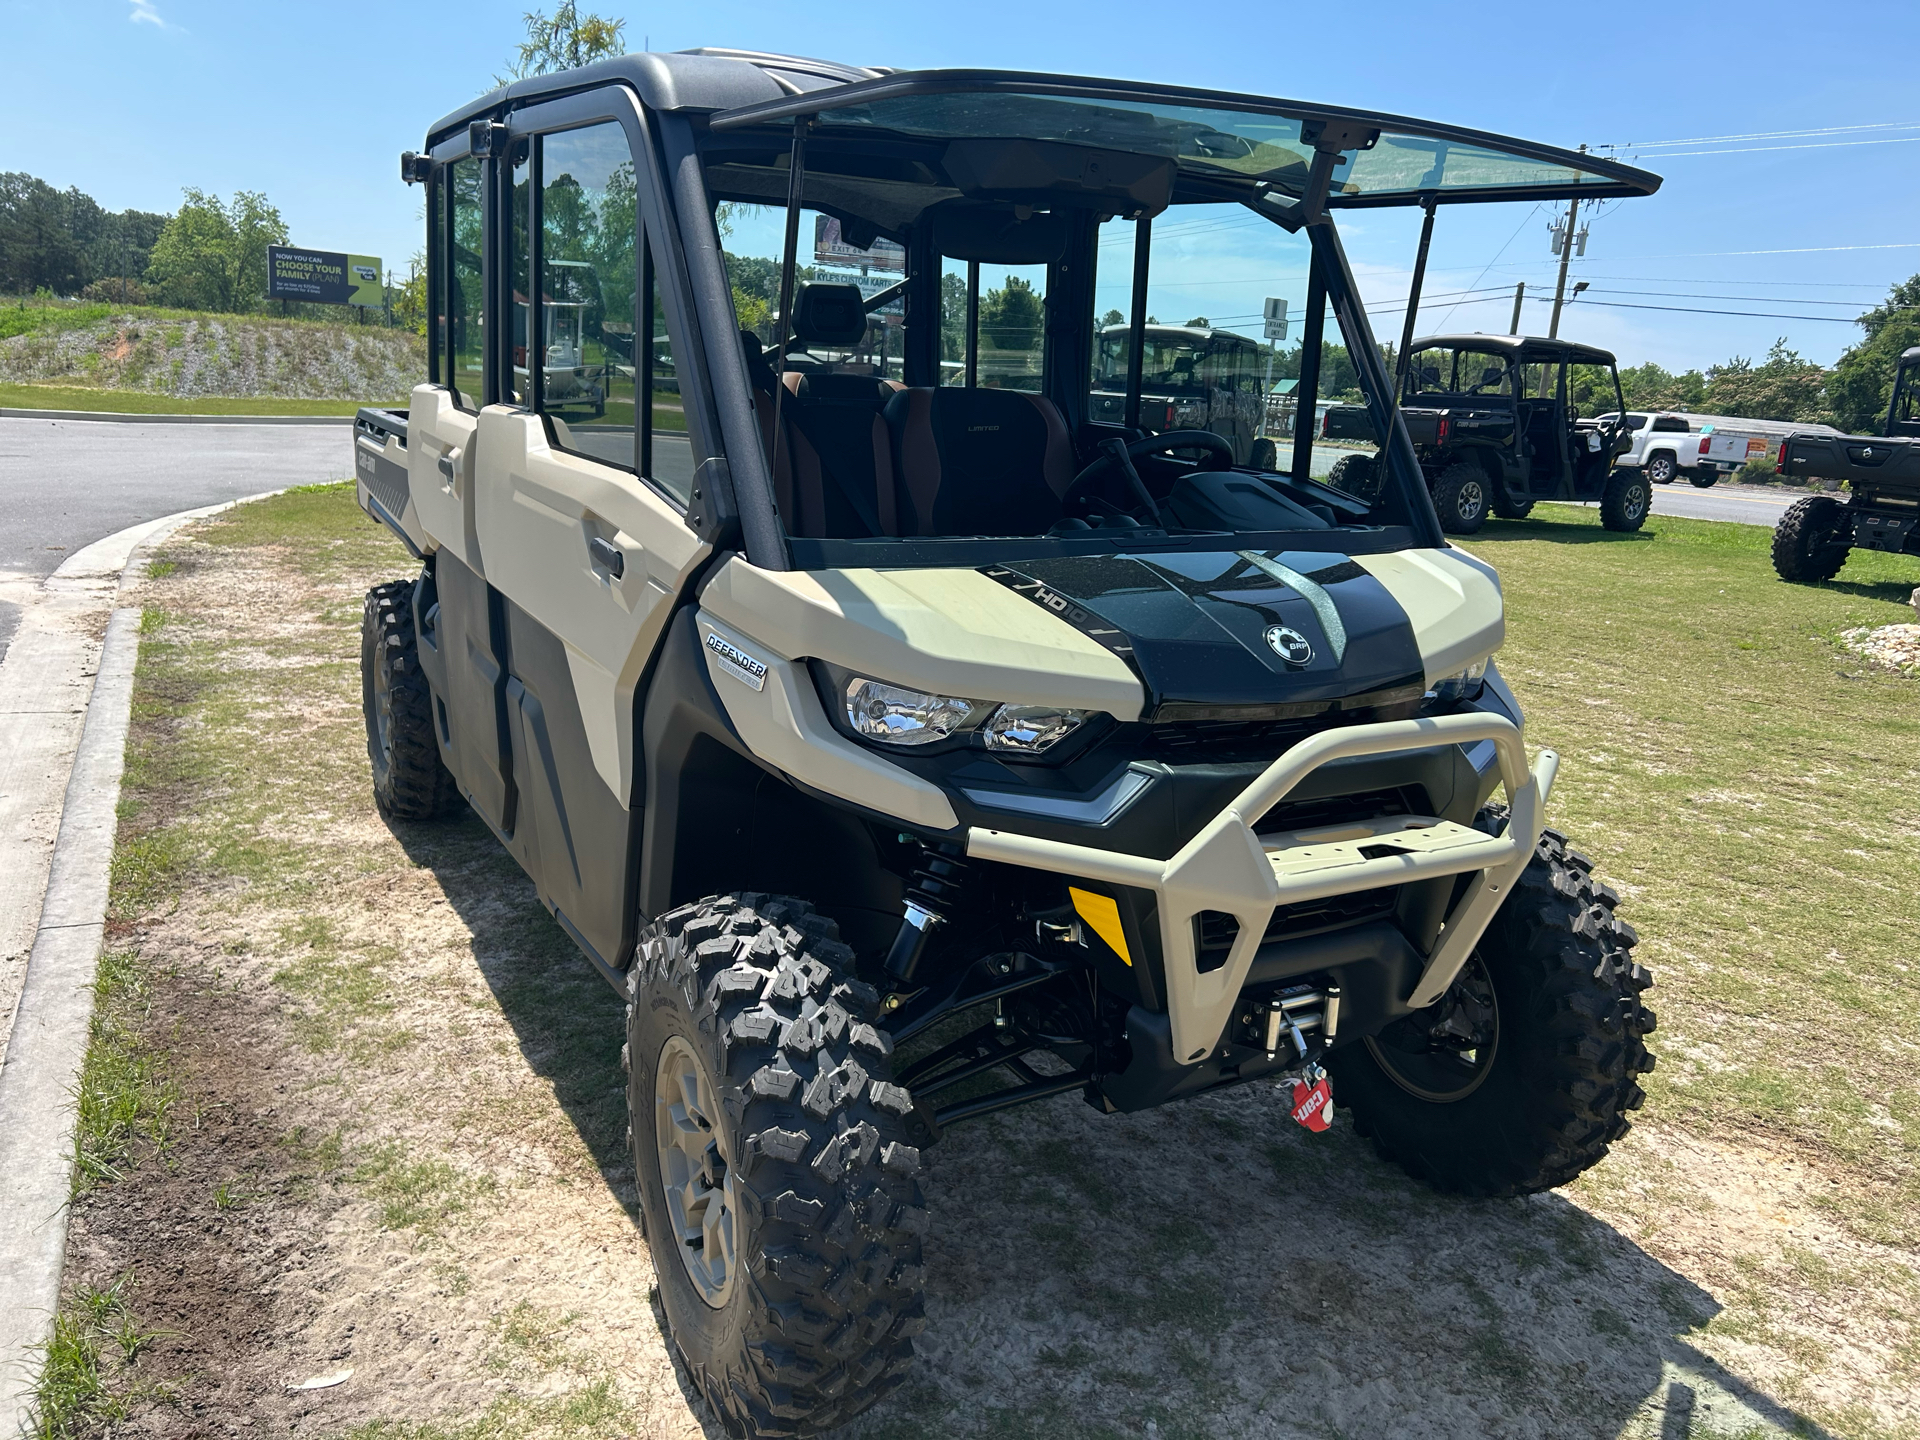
(1626, 500)
(1661, 469)
(1807, 543)
(801, 1312)
(1553, 993)
(1263, 454)
(1460, 496)
(1704, 479)
(410, 781)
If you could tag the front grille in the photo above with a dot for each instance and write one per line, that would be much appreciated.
(1343, 809)
(1216, 930)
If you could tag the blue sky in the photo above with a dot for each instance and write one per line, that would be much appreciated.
(133, 99)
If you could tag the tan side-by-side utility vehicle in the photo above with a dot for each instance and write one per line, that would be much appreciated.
(909, 736)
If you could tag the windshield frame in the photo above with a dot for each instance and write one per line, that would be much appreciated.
(1611, 178)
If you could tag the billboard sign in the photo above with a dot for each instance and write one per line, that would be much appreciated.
(830, 247)
(323, 277)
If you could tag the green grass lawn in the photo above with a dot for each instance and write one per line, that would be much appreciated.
(1753, 789)
(140, 402)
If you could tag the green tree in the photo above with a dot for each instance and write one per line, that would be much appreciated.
(1012, 317)
(1786, 386)
(1652, 387)
(566, 40)
(213, 255)
(1861, 385)
(1112, 317)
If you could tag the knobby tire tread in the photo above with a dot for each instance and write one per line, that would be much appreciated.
(416, 784)
(831, 1296)
(1804, 550)
(1571, 958)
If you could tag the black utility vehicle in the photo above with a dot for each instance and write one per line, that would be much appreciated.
(1882, 508)
(905, 747)
(1192, 378)
(1491, 420)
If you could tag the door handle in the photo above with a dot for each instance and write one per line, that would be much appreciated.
(607, 556)
(449, 459)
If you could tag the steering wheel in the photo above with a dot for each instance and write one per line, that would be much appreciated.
(1117, 453)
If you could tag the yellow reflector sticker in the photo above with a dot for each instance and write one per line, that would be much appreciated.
(1103, 915)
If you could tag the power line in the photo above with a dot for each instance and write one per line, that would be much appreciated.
(1759, 149)
(1755, 299)
(1766, 135)
(1524, 221)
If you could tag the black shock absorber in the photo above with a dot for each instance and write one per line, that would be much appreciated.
(934, 894)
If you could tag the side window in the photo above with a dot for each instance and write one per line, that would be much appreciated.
(753, 244)
(1671, 425)
(465, 285)
(436, 278)
(519, 257)
(580, 324)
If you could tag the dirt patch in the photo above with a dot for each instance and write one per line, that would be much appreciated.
(408, 1084)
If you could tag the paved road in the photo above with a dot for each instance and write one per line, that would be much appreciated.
(65, 483)
(1745, 504)
(1748, 504)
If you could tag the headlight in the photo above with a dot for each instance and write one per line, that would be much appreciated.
(1029, 729)
(896, 715)
(1463, 686)
(903, 717)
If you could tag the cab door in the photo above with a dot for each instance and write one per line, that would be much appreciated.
(581, 478)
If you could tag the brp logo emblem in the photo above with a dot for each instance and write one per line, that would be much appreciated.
(1290, 645)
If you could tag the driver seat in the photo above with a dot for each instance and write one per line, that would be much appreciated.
(979, 462)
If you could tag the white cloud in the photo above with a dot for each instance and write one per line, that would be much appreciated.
(145, 14)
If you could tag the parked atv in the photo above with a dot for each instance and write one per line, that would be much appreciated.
(903, 751)
(1490, 419)
(1882, 472)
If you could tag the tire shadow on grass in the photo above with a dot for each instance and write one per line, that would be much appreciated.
(1210, 1270)
(1207, 1269)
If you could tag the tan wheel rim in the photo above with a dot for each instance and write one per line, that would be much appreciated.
(694, 1175)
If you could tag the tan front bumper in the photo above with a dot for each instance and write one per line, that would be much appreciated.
(1228, 867)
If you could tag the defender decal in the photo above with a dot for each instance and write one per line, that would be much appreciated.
(742, 666)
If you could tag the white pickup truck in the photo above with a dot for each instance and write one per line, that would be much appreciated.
(1703, 448)
(1665, 446)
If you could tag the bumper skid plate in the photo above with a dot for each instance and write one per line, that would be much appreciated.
(1232, 868)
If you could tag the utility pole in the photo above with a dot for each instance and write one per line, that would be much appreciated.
(1519, 294)
(1566, 258)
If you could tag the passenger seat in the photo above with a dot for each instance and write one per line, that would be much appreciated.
(842, 455)
(980, 462)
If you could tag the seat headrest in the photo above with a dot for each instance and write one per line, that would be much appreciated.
(829, 315)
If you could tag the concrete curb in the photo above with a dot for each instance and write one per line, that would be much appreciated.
(38, 1099)
(126, 418)
(47, 1046)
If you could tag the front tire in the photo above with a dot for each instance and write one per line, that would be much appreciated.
(1522, 1076)
(1811, 542)
(1625, 502)
(1508, 506)
(1356, 475)
(410, 781)
(1460, 497)
(776, 1164)
(1263, 454)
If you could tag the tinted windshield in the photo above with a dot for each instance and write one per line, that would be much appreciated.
(1255, 139)
(954, 363)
